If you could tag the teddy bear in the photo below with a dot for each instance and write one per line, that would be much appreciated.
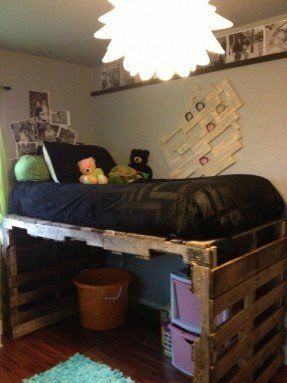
(138, 161)
(90, 173)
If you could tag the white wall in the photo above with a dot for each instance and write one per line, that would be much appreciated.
(69, 86)
(137, 118)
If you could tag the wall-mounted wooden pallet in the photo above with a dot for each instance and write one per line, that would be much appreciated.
(243, 275)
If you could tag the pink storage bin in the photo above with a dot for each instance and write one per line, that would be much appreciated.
(186, 306)
(182, 349)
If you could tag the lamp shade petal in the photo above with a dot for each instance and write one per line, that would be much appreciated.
(161, 37)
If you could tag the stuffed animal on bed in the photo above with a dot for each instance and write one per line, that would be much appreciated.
(90, 173)
(123, 174)
(138, 161)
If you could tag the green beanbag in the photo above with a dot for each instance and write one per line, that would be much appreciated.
(31, 168)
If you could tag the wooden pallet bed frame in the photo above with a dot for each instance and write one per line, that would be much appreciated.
(243, 275)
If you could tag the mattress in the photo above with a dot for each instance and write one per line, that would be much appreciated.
(198, 208)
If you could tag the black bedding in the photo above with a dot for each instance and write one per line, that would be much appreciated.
(199, 208)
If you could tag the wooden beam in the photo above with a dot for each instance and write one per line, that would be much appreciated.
(142, 246)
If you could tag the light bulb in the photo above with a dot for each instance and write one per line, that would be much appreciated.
(162, 37)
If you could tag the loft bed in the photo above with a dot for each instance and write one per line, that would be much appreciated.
(244, 274)
(229, 229)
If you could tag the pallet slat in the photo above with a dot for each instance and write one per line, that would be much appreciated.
(250, 285)
(42, 308)
(270, 371)
(44, 321)
(38, 289)
(30, 296)
(241, 350)
(63, 267)
(229, 275)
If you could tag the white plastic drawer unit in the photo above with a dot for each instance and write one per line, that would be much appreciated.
(186, 306)
(182, 349)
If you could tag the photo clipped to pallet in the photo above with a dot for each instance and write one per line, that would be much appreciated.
(39, 105)
(276, 37)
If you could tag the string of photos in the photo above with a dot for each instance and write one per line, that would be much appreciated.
(43, 124)
(242, 46)
(208, 135)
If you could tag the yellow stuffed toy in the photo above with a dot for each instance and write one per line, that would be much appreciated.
(91, 174)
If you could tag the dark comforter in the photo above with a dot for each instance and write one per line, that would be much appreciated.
(200, 208)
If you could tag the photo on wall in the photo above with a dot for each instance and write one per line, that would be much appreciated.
(25, 130)
(215, 58)
(245, 45)
(276, 37)
(67, 135)
(39, 103)
(47, 132)
(24, 148)
(60, 117)
(111, 75)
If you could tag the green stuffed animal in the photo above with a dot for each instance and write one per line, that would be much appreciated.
(123, 174)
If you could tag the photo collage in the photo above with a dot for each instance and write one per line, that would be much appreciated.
(244, 45)
(44, 124)
(252, 43)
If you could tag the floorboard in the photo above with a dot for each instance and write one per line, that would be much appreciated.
(134, 349)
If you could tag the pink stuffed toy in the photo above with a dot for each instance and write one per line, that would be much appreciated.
(91, 174)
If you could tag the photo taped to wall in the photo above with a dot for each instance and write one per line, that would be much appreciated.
(67, 135)
(218, 59)
(276, 37)
(47, 132)
(245, 45)
(24, 148)
(111, 75)
(25, 130)
(60, 117)
(39, 103)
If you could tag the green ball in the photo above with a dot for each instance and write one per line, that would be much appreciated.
(31, 168)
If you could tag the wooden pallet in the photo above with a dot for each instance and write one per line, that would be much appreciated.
(248, 346)
(38, 280)
(244, 274)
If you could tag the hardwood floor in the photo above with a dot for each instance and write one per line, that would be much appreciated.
(134, 349)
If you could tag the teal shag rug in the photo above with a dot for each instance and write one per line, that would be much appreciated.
(80, 369)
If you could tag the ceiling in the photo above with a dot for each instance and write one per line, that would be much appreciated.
(63, 29)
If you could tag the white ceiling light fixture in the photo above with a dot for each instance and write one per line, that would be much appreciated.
(161, 37)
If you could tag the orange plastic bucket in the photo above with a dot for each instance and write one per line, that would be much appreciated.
(103, 295)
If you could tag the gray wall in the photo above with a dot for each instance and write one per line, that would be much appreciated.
(137, 118)
(151, 279)
(69, 86)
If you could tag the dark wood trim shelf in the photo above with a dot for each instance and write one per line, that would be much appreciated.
(198, 72)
